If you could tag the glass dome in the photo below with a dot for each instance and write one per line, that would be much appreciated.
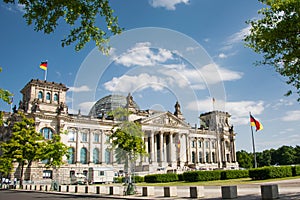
(109, 103)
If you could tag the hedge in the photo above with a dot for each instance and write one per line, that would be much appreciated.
(270, 172)
(296, 170)
(234, 174)
(161, 178)
(194, 176)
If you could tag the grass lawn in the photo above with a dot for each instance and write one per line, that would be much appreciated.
(217, 183)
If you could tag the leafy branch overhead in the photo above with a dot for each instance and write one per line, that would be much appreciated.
(276, 35)
(81, 16)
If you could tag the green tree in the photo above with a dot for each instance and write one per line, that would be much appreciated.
(297, 154)
(244, 159)
(263, 158)
(24, 146)
(5, 95)
(88, 20)
(276, 35)
(127, 138)
(5, 166)
(54, 151)
(284, 155)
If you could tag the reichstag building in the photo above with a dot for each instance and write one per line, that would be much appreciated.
(171, 143)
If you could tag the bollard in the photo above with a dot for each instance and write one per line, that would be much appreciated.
(97, 189)
(111, 190)
(148, 191)
(196, 191)
(76, 189)
(170, 191)
(269, 192)
(229, 192)
(67, 190)
(41, 187)
(86, 189)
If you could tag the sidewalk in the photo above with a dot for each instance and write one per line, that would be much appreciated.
(288, 189)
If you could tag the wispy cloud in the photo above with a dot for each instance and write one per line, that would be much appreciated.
(83, 88)
(167, 4)
(292, 116)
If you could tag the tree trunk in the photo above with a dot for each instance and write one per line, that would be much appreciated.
(21, 175)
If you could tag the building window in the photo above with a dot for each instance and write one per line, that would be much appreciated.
(47, 133)
(71, 136)
(47, 174)
(96, 155)
(207, 157)
(193, 144)
(200, 144)
(40, 95)
(48, 96)
(55, 98)
(72, 173)
(96, 138)
(107, 156)
(213, 157)
(207, 144)
(213, 144)
(101, 173)
(83, 155)
(200, 157)
(71, 152)
(193, 157)
(85, 172)
(83, 137)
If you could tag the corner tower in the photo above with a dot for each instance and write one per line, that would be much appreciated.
(44, 96)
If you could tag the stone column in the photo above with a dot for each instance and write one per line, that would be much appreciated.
(90, 147)
(152, 147)
(102, 152)
(171, 148)
(77, 148)
(161, 140)
(197, 151)
(146, 158)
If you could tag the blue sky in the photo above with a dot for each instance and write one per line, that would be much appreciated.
(201, 57)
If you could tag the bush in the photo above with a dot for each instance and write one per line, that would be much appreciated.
(161, 178)
(296, 170)
(137, 179)
(195, 176)
(270, 172)
(233, 174)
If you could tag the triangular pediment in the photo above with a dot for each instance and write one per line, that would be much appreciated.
(166, 119)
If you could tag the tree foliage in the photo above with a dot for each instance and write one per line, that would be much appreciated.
(5, 95)
(276, 35)
(284, 155)
(81, 16)
(26, 145)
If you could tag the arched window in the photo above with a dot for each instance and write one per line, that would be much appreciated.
(107, 156)
(40, 95)
(48, 96)
(83, 155)
(96, 155)
(213, 157)
(47, 133)
(55, 97)
(71, 152)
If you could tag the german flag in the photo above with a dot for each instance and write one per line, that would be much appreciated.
(43, 65)
(256, 123)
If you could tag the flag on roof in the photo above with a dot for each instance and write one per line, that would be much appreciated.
(43, 65)
(256, 123)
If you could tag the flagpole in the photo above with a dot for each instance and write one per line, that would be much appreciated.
(46, 74)
(253, 145)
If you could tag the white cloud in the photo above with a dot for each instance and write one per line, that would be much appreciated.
(83, 88)
(282, 102)
(239, 109)
(222, 55)
(127, 83)
(15, 7)
(168, 4)
(292, 116)
(142, 55)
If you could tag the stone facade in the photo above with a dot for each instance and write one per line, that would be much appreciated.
(171, 143)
